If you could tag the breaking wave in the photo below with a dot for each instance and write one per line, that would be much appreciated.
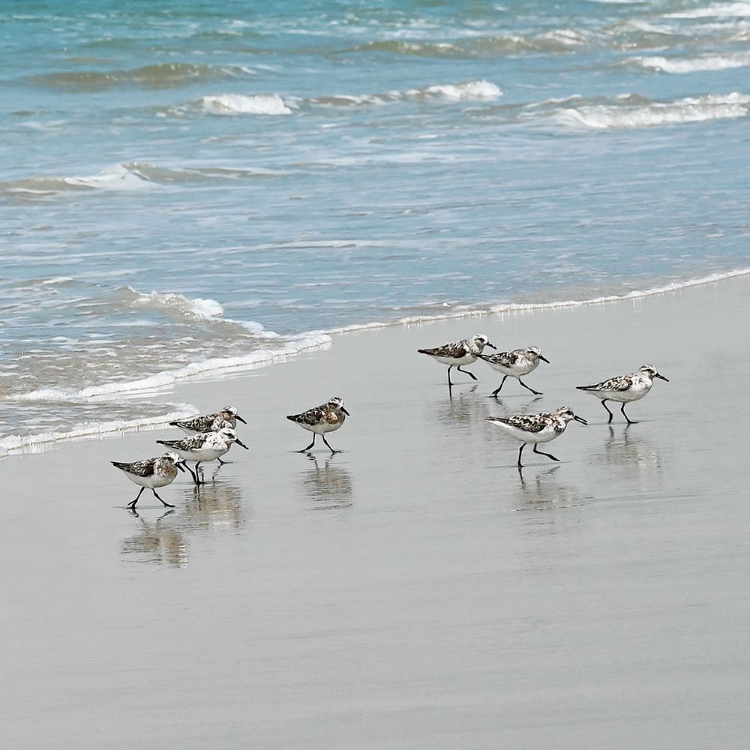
(637, 112)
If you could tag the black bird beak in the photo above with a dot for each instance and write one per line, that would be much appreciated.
(241, 444)
(544, 359)
(180, 467)
(492, 346)
(345, 412)
(239, 419)
(661, 377)
(581, 420)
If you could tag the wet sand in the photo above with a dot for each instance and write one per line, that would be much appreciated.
(416, 590)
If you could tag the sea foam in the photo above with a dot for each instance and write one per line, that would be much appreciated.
(238, 104)
(696, 64)
(654, 114)
(37, 442)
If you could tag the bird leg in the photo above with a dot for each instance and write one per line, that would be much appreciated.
(630, 421)
(536, 393)
(304, 450)
(329, 447)
(542, 453)
(466, 372)
(604, 404)
(131, 505)
(500, 387)
(520, 465)
(166, 505)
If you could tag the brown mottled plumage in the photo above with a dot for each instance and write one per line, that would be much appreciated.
(150, 473)
(321, 419)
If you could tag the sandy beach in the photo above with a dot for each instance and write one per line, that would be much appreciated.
(415, 590)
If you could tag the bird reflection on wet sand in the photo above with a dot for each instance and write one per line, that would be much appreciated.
(461, 408)
(542, 490)
(215, 506)
(160, 541)
(329, 485)
(203, 510)
(628, 452)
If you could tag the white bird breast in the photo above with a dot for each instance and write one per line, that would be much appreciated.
(543, 436)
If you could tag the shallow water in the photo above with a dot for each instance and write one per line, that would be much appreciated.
(186, 188)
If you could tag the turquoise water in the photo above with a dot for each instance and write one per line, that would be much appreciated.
(186, 187)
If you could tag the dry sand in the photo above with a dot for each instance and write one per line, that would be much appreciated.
(414, 591)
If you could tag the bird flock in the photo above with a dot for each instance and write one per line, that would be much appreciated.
(546, 426)
(209, 437)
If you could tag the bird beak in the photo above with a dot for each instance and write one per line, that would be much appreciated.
(581, 420)
(239, 419)
(661, 377)
(544, 359)
(180, 467)
(492, 346)
(241, 444)
(345, 412)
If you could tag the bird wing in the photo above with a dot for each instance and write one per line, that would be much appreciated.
(311, 416)
(526, 422)
(506, 359)
(144, 468)
(618, 383)
(454, 350)
(192, 443)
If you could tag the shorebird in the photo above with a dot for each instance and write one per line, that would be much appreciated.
(624, 389)
(151, 473)
(321, 419)
(226, 417)
(205, 446)
(458, 353)
(515, 363)
(536, 428)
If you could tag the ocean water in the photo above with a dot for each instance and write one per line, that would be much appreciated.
(190, 187)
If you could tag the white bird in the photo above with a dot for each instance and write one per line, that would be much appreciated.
(226, 417)
(151, 473)
(464, 352)
(536, 428)
(624, 389)
(322, 419)
(206, 446)
(515, 363)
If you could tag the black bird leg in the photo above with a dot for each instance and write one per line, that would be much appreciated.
(500, 387)
(131, 505)
(166, 505)
(329, 447)
(542, 453)
(466, 372)
(630, 421)
(520, 465)
(304, 450)
(536, 393)
(193, 474)
(604, 404)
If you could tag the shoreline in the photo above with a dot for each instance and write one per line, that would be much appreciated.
(315, 341)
